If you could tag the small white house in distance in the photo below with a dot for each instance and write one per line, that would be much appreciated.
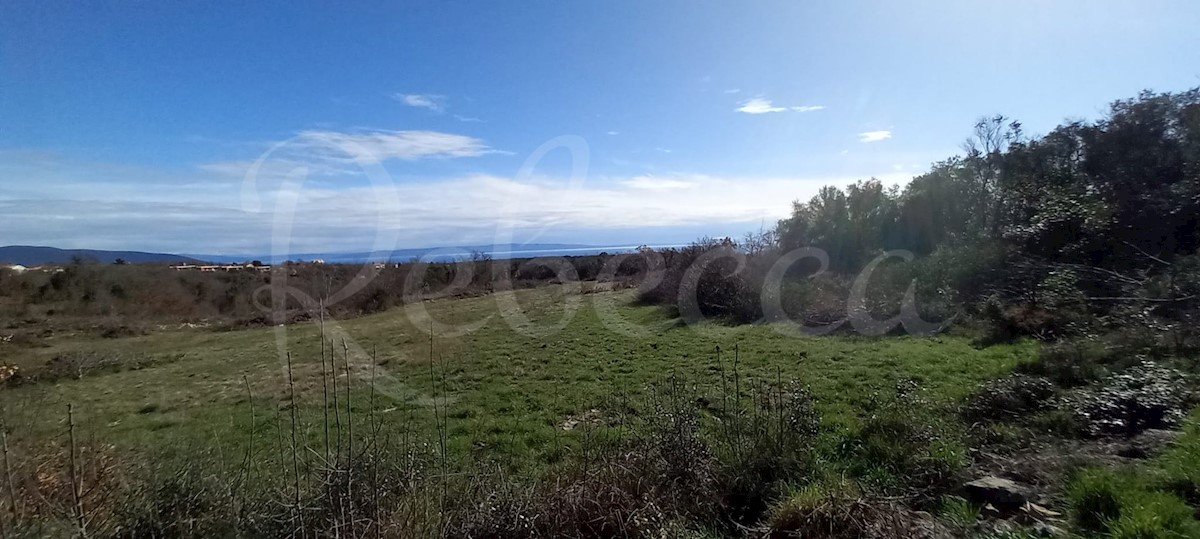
(14, 267)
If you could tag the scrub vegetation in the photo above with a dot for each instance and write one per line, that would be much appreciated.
(1004, 348)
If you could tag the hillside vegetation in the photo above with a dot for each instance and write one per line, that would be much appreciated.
(1005, 347)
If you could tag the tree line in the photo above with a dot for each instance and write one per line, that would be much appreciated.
(1089, 220)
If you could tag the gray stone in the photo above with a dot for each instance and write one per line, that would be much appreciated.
(1041, 529)
(1000, 492)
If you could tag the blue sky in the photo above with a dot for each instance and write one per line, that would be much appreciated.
(135, 124)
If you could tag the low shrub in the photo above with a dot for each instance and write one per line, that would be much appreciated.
(633, 495)
(1011, 397)
(1149, 396)
(903, 444)
(1007, 322)
(179, 504)
(1071, 363)
(838, 511)
(117, 330)
(76, 365)
(635, 489)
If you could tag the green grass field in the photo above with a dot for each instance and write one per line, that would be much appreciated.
(507, 385)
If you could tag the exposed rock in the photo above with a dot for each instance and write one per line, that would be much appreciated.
(1001, 493)
(1041, 529)
(1038, 512)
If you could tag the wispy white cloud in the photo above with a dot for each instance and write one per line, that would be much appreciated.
(614, 133)
(758, 105)
(432, 102)
(330, 153)
(655, 183)
(733, 90)
(874, 136)
(378, 146)
(101, 207)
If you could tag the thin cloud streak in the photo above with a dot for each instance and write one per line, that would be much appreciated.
(433, 102)
(378, 146)
(759, 105)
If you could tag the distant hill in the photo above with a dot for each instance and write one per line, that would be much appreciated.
(36, 256)
(26, 255)
(433, 253)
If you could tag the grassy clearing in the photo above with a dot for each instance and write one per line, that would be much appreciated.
(506, 390)
(578, 425)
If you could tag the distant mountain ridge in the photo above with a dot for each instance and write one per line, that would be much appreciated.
(28, 255)
(439, 254)
(31, 255)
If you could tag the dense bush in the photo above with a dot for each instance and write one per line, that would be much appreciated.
(707, 278)
(739, 282)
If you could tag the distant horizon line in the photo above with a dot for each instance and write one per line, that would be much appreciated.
(466, 249)
(398, 254)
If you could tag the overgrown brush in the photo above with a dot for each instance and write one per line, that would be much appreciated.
(838, 511)
(712, 456)
(903, 445)
(1011, 397)
(1148, 396)
(366, 482)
